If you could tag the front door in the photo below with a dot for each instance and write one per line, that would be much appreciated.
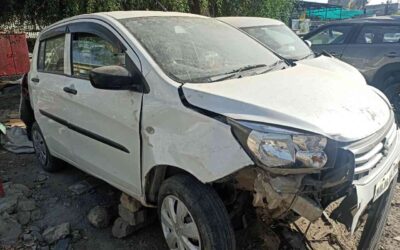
(331, 39)
(376, 45)
(105, 123)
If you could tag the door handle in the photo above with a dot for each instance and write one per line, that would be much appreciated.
(35, 79)
(391, 54)
(70, 90)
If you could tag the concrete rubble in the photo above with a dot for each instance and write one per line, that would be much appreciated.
(133, 216)
(99, 217)
(55, 233)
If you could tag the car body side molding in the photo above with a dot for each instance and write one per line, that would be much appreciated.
(85, 132)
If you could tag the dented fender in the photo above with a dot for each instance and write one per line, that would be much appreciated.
(175, 135)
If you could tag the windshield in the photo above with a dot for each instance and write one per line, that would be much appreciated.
(280, 39)
(195, 49)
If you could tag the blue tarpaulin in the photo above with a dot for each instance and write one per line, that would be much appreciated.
(333, 13)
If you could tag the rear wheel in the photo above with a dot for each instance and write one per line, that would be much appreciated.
(48, 162)
(193, 216)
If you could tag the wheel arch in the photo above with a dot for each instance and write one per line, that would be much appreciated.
(380, 79)
(155, 177)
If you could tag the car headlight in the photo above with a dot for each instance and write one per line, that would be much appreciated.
(277, 147)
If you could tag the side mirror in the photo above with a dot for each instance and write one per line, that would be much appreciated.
(111, 77)
(308, 42)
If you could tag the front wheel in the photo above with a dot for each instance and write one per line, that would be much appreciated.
(193, 216)
(393, 94)
(376, 220)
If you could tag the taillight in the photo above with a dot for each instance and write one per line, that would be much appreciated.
(24, 87)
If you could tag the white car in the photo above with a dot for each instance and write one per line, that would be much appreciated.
(274, 34)
(188, 114)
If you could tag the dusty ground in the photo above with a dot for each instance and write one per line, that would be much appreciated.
(58, 204)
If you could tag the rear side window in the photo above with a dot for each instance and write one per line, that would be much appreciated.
(51, 55)
(373, 34)
(90, 51)
(331, 35)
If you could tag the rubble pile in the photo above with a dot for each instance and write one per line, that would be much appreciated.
(18, 210)
(132, 217)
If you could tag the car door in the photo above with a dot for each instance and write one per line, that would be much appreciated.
(105, 124)
(376, 45)
(331, 39)
(47, 81)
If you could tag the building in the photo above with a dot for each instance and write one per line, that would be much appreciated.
(383, 9)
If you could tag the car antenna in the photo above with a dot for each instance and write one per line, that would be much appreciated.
(162, 6)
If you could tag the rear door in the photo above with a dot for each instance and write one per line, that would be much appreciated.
(376, 45)
(104, 123)
(47, 81)
(331, 38)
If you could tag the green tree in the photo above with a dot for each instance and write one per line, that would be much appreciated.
(40, 13)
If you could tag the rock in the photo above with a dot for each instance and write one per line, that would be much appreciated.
(397, 238)
(76, 236)
(27, 237)
(36, 214)
(41, 178)
(44, 248)
(99, 217)
(23, 217)
(84, 186)
(8, 204)
(37, 236)
(26, 205)
(130, 203)
(62, 244)
(122, 228)
(17, 189)
(34, 229)
(52, 234)
(133, 219)
(10, 229)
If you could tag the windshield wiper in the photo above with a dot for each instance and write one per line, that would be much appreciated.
(307, 56)
(235, 72)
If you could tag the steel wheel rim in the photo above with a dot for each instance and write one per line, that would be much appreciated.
(40, 147)
(179, 228)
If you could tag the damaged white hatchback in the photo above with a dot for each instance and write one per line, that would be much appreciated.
(188, 114)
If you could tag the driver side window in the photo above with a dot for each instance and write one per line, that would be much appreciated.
(331, 35)
(90, 51)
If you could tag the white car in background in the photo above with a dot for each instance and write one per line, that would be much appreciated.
(273, 34)
(188, 114)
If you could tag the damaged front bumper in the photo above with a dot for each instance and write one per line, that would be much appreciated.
(308, 194)
(368, 189)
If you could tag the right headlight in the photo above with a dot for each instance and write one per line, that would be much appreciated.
(277, 147)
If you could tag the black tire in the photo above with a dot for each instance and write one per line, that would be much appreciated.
(393, 94)
(206, 208)
(27, 116)
(48, 162)
(376, 221)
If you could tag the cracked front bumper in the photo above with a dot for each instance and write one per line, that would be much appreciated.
(368, 189)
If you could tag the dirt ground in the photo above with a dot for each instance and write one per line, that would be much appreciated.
(58, 204)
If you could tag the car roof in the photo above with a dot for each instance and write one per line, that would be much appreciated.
(132, 14)
(122, 15)
(243, 22)
(380, 19)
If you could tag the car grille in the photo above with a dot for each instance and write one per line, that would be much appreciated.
(369, 153)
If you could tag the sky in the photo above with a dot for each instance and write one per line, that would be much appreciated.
(370, 2)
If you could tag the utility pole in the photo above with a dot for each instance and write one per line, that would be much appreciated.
(364, 6)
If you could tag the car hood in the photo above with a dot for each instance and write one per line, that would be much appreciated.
(326, 99)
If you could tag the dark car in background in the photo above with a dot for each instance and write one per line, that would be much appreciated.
(372, 45)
